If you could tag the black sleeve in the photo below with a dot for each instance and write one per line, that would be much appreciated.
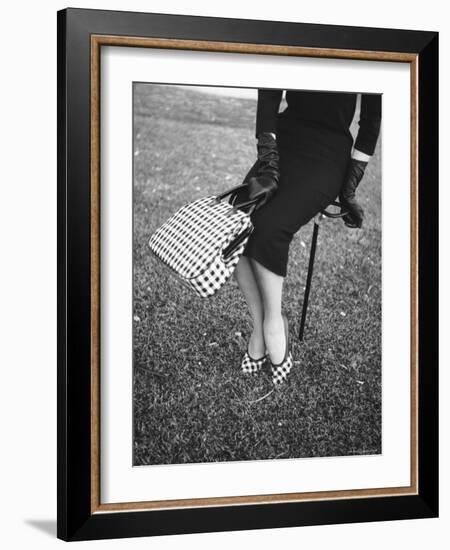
(267, 110)
(369, 123)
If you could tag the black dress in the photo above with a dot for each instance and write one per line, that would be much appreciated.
(314, 143)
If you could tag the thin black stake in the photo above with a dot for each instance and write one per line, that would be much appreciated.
(312, 255)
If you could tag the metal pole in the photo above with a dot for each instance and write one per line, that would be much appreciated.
(312, 254)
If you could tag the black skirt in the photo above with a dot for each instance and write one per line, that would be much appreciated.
(313, 161)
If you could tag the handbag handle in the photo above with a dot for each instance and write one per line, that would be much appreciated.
(232, 190)
(253, 203)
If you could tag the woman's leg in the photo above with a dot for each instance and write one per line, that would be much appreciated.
(271, 287)
(245, 278)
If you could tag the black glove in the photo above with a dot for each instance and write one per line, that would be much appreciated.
(355, 213)
(265, 181)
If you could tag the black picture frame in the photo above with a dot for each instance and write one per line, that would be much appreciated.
(75, 475)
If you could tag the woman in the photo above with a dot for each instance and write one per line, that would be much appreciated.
(306, 158)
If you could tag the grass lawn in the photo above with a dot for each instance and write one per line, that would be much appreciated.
(190, 402)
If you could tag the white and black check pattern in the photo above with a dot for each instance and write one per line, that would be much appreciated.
(280, 372)
(191, 243)
(250, 365)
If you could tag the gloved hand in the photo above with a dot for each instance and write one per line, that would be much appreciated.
(267, 172)
(355, 172)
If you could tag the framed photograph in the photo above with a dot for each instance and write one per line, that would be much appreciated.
(247, 274)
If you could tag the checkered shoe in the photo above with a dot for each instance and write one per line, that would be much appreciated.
(281, 371)
(252, 366)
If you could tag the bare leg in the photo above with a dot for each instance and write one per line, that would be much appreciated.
(245, 278)
(271, 288)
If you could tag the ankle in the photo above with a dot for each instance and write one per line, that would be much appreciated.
(273, 324)
(257, 333)
(256, 344)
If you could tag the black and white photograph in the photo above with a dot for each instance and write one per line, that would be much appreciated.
(223, 276)
(257, 306)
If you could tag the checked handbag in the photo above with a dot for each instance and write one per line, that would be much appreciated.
(202, 242)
